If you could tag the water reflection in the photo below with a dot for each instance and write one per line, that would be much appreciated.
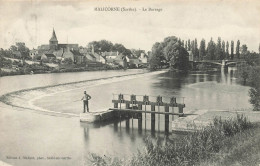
(129, 128)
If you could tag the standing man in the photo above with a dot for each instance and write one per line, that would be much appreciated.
(85, 99)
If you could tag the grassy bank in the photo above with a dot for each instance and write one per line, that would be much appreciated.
(241, 149)
(203, 147)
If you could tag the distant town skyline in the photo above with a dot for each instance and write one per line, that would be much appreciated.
(32, 22)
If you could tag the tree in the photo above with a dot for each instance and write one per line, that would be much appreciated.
(121, 49)
(218, 50)
(192, 48)
(227, 50)
(254, 91)
(13, 48)
(259, 48)
(244, 50)
(254, 94)
(180, 58)
(196, 50)
(202, 50)
(23, 49)
(68, 61)
(171, 51)
(232, 50)
(157, 56)
(223, 50)
(182, 43)
(252, 59)
(189, 45)
(186, 45)
(237, 49)
(107, 46)
(211, 50)
(101, 46)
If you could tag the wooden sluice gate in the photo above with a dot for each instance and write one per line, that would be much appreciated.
(135, 106)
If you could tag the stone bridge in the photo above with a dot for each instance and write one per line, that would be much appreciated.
(222, 63)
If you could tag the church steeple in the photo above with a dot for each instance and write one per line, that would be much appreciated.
(53, 42)
(53, 38)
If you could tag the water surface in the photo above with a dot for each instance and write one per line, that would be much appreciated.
(29, 133)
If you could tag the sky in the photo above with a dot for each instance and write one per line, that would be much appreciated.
(32, 21)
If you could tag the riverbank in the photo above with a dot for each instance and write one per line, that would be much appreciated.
(17, 67)
(242, 149)
(44, 69)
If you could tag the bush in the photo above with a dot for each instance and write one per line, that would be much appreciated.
(188, 150)
(254, 94)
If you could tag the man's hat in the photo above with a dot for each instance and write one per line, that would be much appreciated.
(85, 91)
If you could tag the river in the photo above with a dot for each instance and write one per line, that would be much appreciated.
(29, 133)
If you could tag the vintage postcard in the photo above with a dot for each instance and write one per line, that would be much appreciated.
(129, 82)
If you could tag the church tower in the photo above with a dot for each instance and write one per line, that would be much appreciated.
(53, 42)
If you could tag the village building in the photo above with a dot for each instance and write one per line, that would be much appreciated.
(48, 56)
(99, 58)
(87, 54)
(133, 62)
(110, 55)
(114, 58)
(33, 53)
(57, 50)
(143, 58)
(54, 45)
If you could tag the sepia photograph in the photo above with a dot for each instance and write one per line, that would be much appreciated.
(129, 82)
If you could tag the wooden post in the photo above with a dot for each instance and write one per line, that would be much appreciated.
(166, 119)
(115, 105)
(140, 106)
(146, 102)
(172, 112)
(153, 118)
(180, 110)
(116, 112)
(139, 123)
(127, 106)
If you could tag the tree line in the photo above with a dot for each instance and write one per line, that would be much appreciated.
(175, 52)
(18, 47)
(216, 51)
(107, 46)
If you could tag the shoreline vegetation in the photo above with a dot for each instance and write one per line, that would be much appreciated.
(224, 142)
(35, 68)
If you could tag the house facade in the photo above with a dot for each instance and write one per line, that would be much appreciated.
(143, 58)
(114, 58)
(110, 55)
(33, 53)
(48, 56)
